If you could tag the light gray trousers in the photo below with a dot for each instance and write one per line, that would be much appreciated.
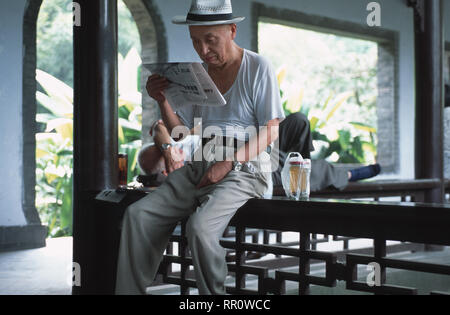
(149, 223)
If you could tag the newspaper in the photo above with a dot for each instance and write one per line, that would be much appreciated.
(189, 84)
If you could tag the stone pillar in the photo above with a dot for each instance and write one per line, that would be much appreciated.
(95, 132)
(447, 112)
(429, 94)
(447, 142)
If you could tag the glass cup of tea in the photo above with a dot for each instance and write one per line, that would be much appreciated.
(294, 179)
(123, 170)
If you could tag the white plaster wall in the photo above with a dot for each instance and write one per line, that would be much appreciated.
(11, 20)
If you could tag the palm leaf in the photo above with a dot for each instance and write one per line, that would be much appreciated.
(53, 106)
(52, 173)
(313, 122)
(327, 101)
(121, 134)
(44, 118)
(130, 125)
(63, 126)
(344, 139)
(295, 104)
(40, 153)
(363, 127)
(129, 72)
(45, 136)
(130, 99)
(367, 146)
(341, 101)
(66, 207)
(55, 89)
(281, 75)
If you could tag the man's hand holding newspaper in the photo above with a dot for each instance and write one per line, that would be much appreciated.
(182, 84)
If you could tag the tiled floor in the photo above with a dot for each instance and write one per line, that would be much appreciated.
(47, 271)
(39, 271)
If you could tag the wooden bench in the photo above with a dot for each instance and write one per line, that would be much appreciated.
(380, 221)
(412, 222)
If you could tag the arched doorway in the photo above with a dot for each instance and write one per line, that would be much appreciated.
(153, 43)
(154, 49)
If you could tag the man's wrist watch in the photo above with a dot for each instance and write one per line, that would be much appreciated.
(165, 146)
(236, 166)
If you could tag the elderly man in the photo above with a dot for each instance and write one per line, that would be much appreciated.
(208, 191)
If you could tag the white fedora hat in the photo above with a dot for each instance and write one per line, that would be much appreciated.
(209, 12)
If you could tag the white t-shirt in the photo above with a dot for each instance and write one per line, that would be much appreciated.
(252, 100)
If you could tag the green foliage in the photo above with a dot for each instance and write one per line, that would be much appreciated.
(54, 146)
(54, 39)
(333, 81)
(54, 149)
(130, 110)
(127, 30)
(343, 147)
(55, 32)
